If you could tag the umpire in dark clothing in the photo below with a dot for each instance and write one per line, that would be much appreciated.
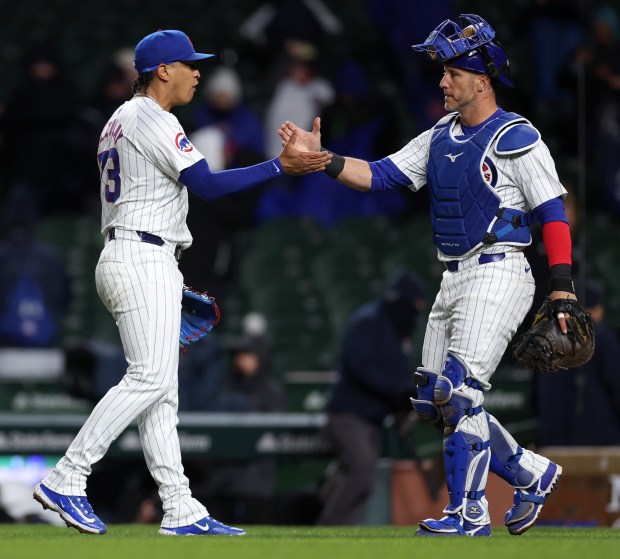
(375, 380)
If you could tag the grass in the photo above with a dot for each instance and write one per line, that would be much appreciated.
(270, 542)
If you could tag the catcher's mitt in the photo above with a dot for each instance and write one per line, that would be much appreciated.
(199, 314)
(545, 348)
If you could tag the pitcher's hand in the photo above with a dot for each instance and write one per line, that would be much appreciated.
(297, 159)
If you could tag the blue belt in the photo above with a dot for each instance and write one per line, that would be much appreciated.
(453, 265)
(151, 239)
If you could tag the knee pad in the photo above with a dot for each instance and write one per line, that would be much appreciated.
(423, 405)
(454, 374)
(458, 406)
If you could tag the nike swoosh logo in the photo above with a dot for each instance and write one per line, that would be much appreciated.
(453, 157)
(527, 270)
(276, 167)
(203, 528)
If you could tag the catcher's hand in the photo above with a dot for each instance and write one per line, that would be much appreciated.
(545, 348)
(199, 314)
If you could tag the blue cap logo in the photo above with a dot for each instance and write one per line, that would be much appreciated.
(165, 47)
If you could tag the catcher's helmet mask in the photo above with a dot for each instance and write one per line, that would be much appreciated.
(469, 43)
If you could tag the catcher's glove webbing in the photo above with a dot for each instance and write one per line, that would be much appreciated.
(545, 348)
(199, 314)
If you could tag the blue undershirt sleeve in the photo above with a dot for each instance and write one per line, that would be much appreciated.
(386, 175)
(208, 185)
(551, 210)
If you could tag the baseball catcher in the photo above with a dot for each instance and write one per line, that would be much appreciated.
(199, 314)
(489, 176)
(545, 347)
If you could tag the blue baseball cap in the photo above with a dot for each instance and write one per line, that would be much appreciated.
(165, 47)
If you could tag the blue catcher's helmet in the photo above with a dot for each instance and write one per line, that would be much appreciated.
(468, 43)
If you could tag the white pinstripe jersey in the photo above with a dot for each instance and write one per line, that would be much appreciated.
(522, 181)
(142, 151)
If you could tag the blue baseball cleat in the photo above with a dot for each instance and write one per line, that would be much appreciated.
(74, 510)
(208, 526)
(529, 502)
(452, 525)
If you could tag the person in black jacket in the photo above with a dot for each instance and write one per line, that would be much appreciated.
(375, 381)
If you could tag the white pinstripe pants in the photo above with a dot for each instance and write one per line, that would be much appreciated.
(477, 312)
(475, 315)
(141, 285)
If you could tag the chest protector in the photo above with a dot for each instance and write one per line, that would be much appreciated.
(465, 210)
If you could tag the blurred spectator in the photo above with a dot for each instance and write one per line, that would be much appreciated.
(556, 34)
(37, 154)
(230, 135)
(255, 329)
(276, 25)
(401, 23)
(599, 57)
(272, 23)
(362, 120)
(249, 386)
(201, 375)
(375, 381)
(92, 368)
(581, 406)
(300, 96)
(34, 285)
(124, 59)
(226, 130)
(244, 490)
(112, 91)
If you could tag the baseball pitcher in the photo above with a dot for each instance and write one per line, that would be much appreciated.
(147, 164)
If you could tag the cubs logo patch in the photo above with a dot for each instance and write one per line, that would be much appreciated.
(489, 172)
(183, 143)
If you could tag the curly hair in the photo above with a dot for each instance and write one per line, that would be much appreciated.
(140, 84)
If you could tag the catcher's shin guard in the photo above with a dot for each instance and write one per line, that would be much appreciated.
(466, 453)
(424, 405)
(533, 477)
(506, 457)
(466, 463)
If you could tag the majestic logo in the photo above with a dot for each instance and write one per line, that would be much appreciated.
(183, 143)
(453, 157)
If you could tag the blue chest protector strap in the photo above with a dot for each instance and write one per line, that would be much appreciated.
(509, 221)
